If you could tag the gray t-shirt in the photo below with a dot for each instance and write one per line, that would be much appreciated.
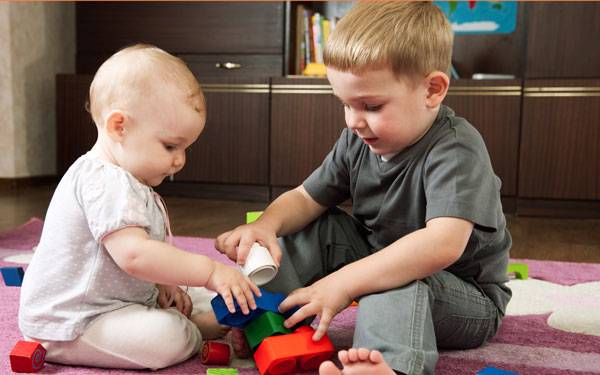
(447, 173)
(72, 278)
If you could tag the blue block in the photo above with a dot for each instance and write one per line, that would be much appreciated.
(268, 301)
(495, 371)
(13, 276)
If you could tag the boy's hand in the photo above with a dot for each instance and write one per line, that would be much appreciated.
(236, 243)
(231, 283)
(325, 299)
(169, 295)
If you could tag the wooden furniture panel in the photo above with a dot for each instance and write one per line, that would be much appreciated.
(234, 66)
(493, 107)
(560, 140)
(233, 147)
(563, 40)
(182, 27)
(75, 131)
(306, 120)
(250, 66)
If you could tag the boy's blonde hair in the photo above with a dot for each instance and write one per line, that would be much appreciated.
(137, 72)
(411, 38)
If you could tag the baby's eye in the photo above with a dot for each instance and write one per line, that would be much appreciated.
(372, 108)
(169, 147)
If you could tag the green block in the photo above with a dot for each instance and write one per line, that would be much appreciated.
(267, 324)
(251, 216)
(521, 270)
(222, 371)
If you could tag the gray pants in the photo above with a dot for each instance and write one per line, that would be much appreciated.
(406, 324)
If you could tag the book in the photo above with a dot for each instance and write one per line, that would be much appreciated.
(299, 48)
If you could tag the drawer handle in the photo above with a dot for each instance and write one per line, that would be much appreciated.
(228, 65)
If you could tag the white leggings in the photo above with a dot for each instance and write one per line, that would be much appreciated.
(134, 337)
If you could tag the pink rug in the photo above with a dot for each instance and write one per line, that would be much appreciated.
(526, 344)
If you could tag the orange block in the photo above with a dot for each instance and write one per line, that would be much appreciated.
(27, 356)
(286, 354)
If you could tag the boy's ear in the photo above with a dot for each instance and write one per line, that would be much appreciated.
(115, 126)
(437, 88)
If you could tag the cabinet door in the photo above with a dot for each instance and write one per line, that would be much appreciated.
(563, 39)
(233, 148)
(75, 130)
(560, 140)
(493, 107)
(306, 120)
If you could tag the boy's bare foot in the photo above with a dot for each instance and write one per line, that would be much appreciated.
(209, 326)
(357, 361)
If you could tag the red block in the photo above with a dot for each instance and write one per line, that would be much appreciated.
(215, 353)
(27, 356)
(286, 354)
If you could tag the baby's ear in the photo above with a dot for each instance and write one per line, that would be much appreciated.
(115, 125)
(437, 88)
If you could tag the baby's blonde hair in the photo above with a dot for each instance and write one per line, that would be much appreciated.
(411, 38)
(137, 72)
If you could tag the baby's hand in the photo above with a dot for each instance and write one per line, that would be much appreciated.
(231, 283)
(325, 299)
(172, 294)
(236, 243)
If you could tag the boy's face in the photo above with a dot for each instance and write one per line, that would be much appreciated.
(159, 132)
(387, 113)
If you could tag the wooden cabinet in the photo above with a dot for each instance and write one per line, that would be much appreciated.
(560, 140)
(493, 107)
(234, 147)
(306, 120)
(249, 31)
(563, 40)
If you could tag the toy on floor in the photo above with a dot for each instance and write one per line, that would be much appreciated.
(27, 356)
(285, 354)
(520, 270)
(13, 276)
(278, 349)
(251, 216)
(495, 371)
(215, 353)
(222, 371)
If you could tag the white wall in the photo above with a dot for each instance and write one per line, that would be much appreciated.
(37, 41)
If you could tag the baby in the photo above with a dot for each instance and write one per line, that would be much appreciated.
(101, 284)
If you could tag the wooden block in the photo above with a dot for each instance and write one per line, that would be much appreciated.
(13, 276)
(520, 270)
(27, 356)
(266, 325)
(291, 353)
(251, 216)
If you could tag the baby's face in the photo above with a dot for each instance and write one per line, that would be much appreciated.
(161, 130)
(387, 113)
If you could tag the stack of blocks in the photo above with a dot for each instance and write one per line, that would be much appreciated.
(277, 350)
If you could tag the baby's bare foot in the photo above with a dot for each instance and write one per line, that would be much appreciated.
(209, 326)
(357, 361)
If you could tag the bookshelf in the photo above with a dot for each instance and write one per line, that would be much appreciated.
(310, 24)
